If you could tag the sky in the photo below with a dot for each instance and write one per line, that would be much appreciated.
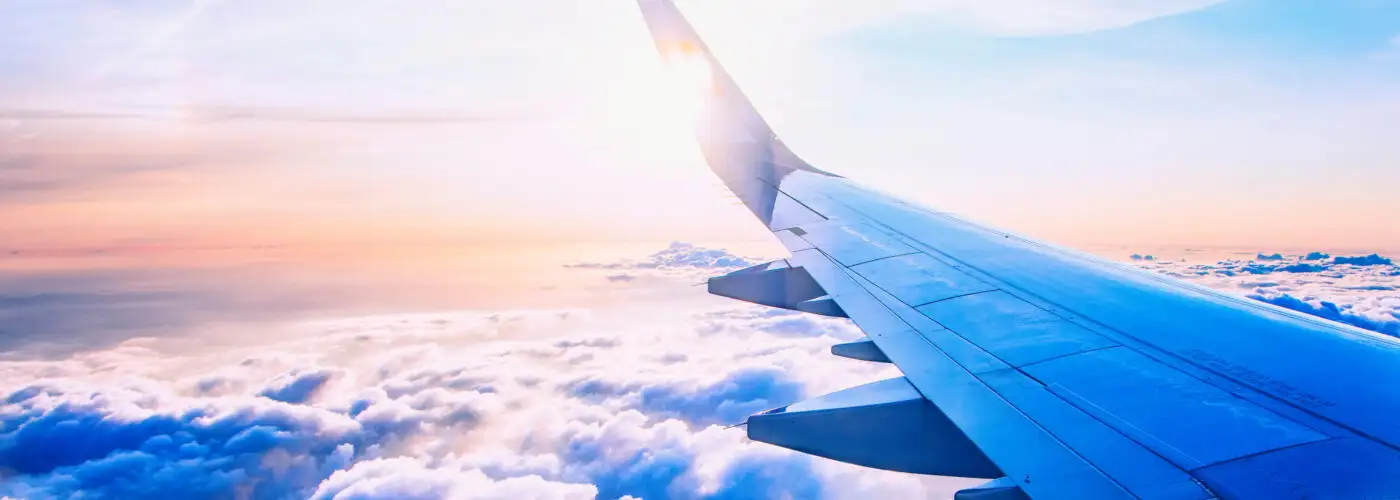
(448, 249)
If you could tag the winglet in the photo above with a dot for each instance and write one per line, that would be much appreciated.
(737, 143)
(679, 44)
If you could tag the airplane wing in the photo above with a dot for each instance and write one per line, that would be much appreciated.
(1052, 373)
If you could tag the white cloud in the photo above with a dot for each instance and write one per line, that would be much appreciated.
(455, 405)
(406, 478)
(524, 404)
(679, 256)
(1358, 290)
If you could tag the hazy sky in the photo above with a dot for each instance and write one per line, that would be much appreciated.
(217, 124)
(442, 154)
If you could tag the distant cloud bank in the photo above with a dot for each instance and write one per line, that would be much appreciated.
(546, 404)
(568, 404)
(1356, 290)
(680, 256)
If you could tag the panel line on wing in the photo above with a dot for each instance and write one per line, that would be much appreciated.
(1292, 408)
(1148, 469)
(794, 199)
(1067, 355)
(854, 243)
(1125, 427)
(1181, 479)
(858, 282)
(879, 334)
(1193, 382)
(916, 306)
(883, 258)
(913, 316)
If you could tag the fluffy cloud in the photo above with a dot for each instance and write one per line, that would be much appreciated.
(1378, 315)
(533, 404)
(1363, 260)
(407, 478)
(723, 402)
(296, 387)
(1358, 291)
(63, 439)
(678, 256)
(613, 403)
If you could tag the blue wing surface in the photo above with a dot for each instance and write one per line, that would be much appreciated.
(1054, 373)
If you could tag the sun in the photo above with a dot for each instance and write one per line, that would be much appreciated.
(689, 80)
(653, 106)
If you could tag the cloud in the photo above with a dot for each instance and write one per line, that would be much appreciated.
(461, 405)
(408, 479)
(546, 404)
(1381, 322)
(62, 439)
(297, 386)
(1262, 256)
(678, 257)
(724, 402)
(1358, 291)
(630, 457)
(1364, 260)
(1301, 268)
(776, 322)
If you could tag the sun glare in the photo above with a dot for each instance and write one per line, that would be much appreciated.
(690, 81)
(654, 105)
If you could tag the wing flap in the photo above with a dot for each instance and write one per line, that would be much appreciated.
(1012, 329)
(918, 279)
(853, 244)
(1138, 469)
(1189, 422)
(1336, 468)
(886, 425)
(863, 349)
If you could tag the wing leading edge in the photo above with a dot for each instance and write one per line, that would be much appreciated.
(1053, 373)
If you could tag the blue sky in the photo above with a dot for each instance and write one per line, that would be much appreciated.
(1236, 122)
(379, 249)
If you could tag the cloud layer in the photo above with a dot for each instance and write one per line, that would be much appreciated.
(680, 256)
(531, 404)
(1357, 290)
(628, 402)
